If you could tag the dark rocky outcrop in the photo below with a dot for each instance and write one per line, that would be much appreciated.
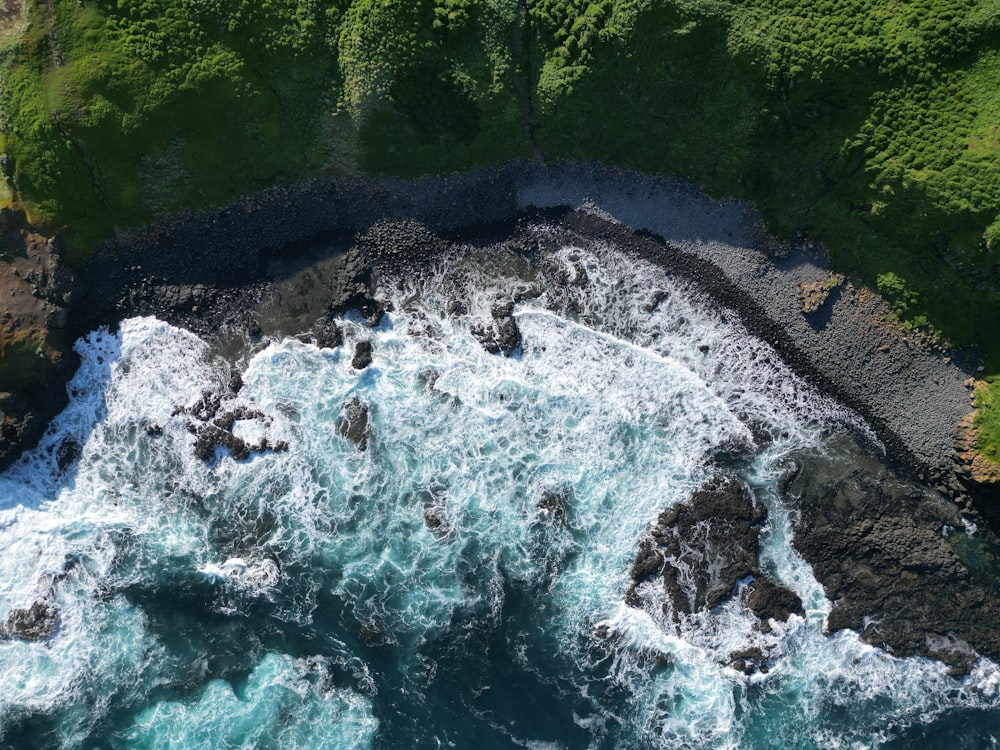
(896, 561)
(35, 623)
(769, 601)
(436, 518)
(214, 415)
(703, 552)
(700, 550)
(36, 355)
(354, 422)
(501, 335)
(362, 355)
(749, 660)
(325, 334)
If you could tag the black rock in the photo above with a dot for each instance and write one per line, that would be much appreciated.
(749, 660)
(769, 601)
(702, 548)
(36, 623)
(211, 437)
(327, 335)
(373, 311)
(895, 561)
(501, 336)
(654, 301)
(362, 355)
(353, 422)
(508, 336)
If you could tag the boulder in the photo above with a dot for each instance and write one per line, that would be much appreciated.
(362, 355)
(353, 422)
(35, 623)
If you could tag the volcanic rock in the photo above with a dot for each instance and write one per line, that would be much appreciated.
(702, 548)
(353, 422)
(362, 355)
(35, 623)
(897, 561)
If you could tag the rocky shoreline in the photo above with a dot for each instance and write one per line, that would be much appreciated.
(186, 265)
(287, 260)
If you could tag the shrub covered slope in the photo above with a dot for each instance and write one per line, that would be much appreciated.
(872, 125)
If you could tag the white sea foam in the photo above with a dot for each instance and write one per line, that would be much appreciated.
(283, 705)
(612, 409)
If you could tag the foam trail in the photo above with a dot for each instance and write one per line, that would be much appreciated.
(467, 567)
(283, 705)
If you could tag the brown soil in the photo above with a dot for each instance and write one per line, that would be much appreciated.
(35, 344)
(981, 469)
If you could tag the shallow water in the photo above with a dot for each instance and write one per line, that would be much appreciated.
(416, 594)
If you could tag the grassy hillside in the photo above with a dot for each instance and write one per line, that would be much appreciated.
(872, 125)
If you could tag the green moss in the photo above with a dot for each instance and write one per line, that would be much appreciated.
(870, 125)
(988, 420)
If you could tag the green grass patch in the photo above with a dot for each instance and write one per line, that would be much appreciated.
(987, 420)
(871, 126)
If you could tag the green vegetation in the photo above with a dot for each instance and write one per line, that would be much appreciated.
(988, 420)
(905, 302)
(115, 112)
(873, 126)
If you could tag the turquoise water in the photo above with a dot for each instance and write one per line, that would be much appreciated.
(303, 599)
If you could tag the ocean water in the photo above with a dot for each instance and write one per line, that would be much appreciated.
(416, 594)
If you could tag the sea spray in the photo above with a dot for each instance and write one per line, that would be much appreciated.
(461, 579)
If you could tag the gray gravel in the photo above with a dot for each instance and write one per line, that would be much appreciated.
(913, 399)
(917, 395)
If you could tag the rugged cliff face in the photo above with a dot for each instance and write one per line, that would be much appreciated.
(36, 357)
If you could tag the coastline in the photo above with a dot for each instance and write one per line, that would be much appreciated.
(284, 261)
(913, 399)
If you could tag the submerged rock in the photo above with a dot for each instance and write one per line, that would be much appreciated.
(353, 422)
(35, 623)
(436, 518)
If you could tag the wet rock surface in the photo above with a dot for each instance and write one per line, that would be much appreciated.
(354, 423)
(501, 335)
(325, 334)
(35, 623)
(213, 417)
(897, 560)
(362, 355)
(769, 601)
(700, 550)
